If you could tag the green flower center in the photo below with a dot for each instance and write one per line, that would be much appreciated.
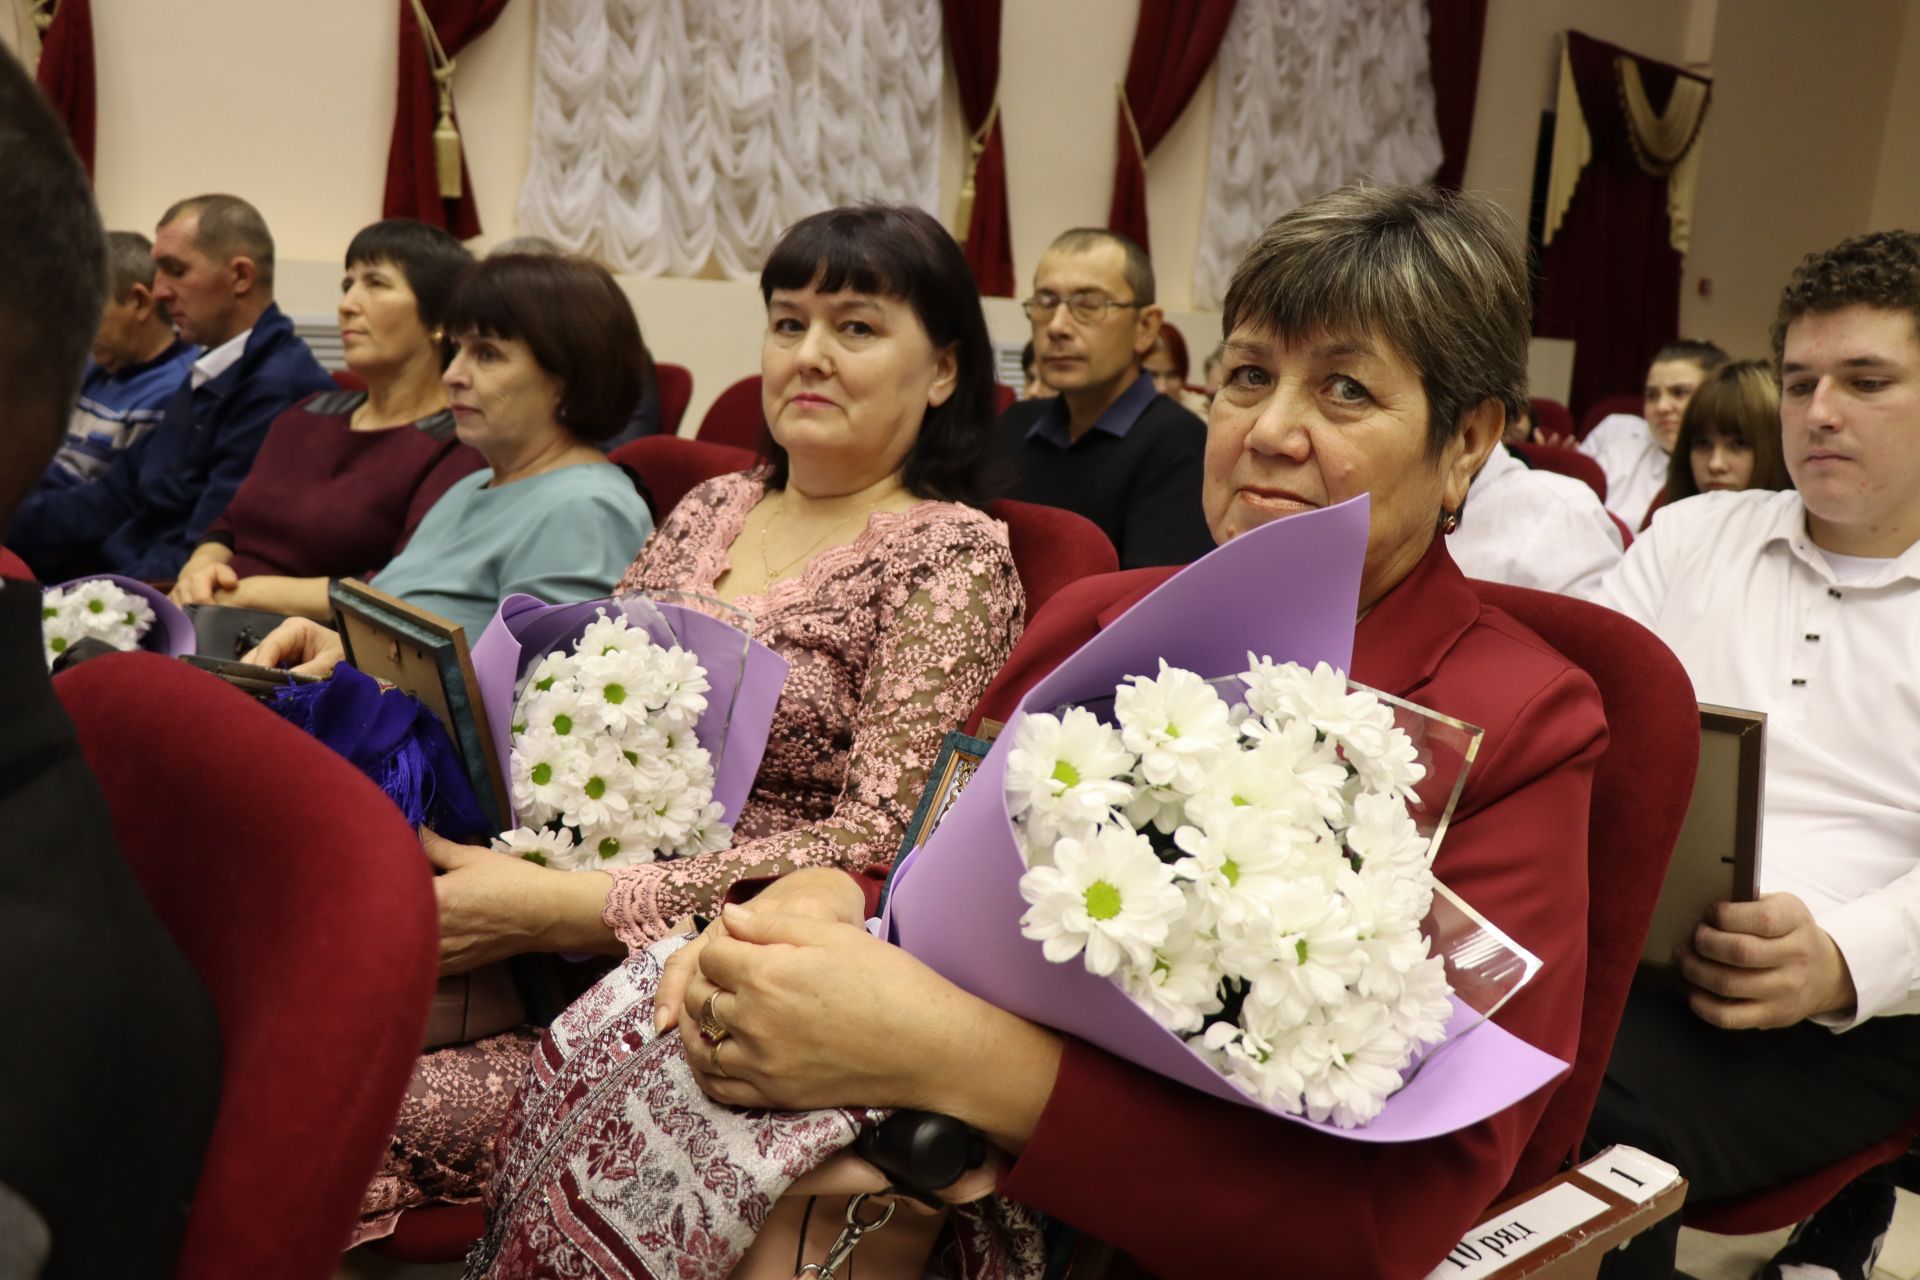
(542, 774)
(609, 847)
(96, 606)
(612, 648)
(1300, 950)
(1241, 802)
(563, 724)
(597, 787)
(1103, 900)
(615, 694)
(131, 620)
(534, 856)
(48, 611)
(57, 644)
(1230, 871)
(633, 758)
(1066, 775)
(1173, 730)
(543, 685)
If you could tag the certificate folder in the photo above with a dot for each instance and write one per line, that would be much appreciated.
(1717, 857)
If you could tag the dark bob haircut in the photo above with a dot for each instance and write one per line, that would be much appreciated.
(897, 251)
(429, 257)
(574, 319)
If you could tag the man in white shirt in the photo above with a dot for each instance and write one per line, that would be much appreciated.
(1798, 1042)
(1534, 529)
(1635, 452)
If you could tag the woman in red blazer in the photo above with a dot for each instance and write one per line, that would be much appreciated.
(1376, 343)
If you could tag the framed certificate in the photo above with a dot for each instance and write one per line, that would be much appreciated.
(427, 656)
(953, 768)
(1717, 856)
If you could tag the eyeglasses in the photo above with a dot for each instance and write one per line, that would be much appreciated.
(1087, 306)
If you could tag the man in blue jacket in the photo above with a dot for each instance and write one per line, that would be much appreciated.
(213, 260)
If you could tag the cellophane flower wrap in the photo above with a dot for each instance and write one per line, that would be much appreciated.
(117, 611)
(1198, 846)
(1246, 870)
(636, 725)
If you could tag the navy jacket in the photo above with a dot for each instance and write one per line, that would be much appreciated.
(145, 515)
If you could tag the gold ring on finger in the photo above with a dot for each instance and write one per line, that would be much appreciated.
(713, 1061)
(710, 1025)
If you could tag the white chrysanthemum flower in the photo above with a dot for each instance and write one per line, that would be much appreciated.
(1176, 723)
(624, 844)
(707, 834)
(1423, 1009)
(610, 634)
(548, 672)
(1361, 1057)
(1182, 987)
(96, 604)
(1065, 774)
(546, 770)
(558, 711)
(1109, 894)
(681, 686)
(1382, 836)
(1301, 955)
(136, 615)
(614, 688)
(60, 633)
(548, 847)
(1257, 1064)
(1304, 775)
(601, 798)
(1237, 860)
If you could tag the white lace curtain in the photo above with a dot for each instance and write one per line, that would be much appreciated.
(668, 134)
(1311, 94)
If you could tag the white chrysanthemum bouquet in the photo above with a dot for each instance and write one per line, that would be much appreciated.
(605, 769)
(1248, 872)
(92, 609)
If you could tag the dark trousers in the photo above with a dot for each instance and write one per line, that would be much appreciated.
(1741, 1111)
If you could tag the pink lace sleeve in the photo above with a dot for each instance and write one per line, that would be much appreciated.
(949, 614)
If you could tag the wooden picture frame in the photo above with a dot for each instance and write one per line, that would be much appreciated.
(1716, 857)
(427, 656)
(952, 769)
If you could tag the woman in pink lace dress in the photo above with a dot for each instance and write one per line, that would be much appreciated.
(864, 560)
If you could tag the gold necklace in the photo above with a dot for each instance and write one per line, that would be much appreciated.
(766, 565)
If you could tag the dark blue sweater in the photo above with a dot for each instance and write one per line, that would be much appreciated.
(145, 515)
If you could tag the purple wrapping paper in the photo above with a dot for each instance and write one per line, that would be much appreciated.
(745, 675)
(1289, 590)
(172, 630)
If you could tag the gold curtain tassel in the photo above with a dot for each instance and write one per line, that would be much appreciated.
(446, 147)
(977, 147)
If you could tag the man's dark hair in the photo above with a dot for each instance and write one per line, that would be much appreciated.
(1707, 355)
(54, 286)
(576, 322)
(1137, 269)
(898, 251)
(1880, 269)
(428, 256)
(229, 228)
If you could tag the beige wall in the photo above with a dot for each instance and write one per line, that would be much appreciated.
(290, 103)
(1794, 152)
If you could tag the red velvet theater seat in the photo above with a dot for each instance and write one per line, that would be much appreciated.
(300, 895)
(676, 389)
(736, 418)
(1052, 547)
(1640, 792)
(671, 465)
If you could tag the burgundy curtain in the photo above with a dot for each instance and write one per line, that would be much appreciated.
(1611, 278)
(65, 73)
(413, 184)
(973, 36)
(1455, 31)
(1173, 45)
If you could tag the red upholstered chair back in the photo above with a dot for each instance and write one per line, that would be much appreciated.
(300, 896)
(1052, 547)
(12, 566)
(348, 380)
(736, 418)
(1552, 416)
(1003, 397)
(676, 388)
(1640, 792)
(1799, 1199)
(1659, 501)
(1567, 462)
(1626, 534)
(1626, 403)
(671, 465)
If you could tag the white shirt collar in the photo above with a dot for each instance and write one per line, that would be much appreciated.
(1790, 526)
(212, 364)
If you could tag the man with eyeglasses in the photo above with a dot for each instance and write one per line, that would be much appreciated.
(1108, 446)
